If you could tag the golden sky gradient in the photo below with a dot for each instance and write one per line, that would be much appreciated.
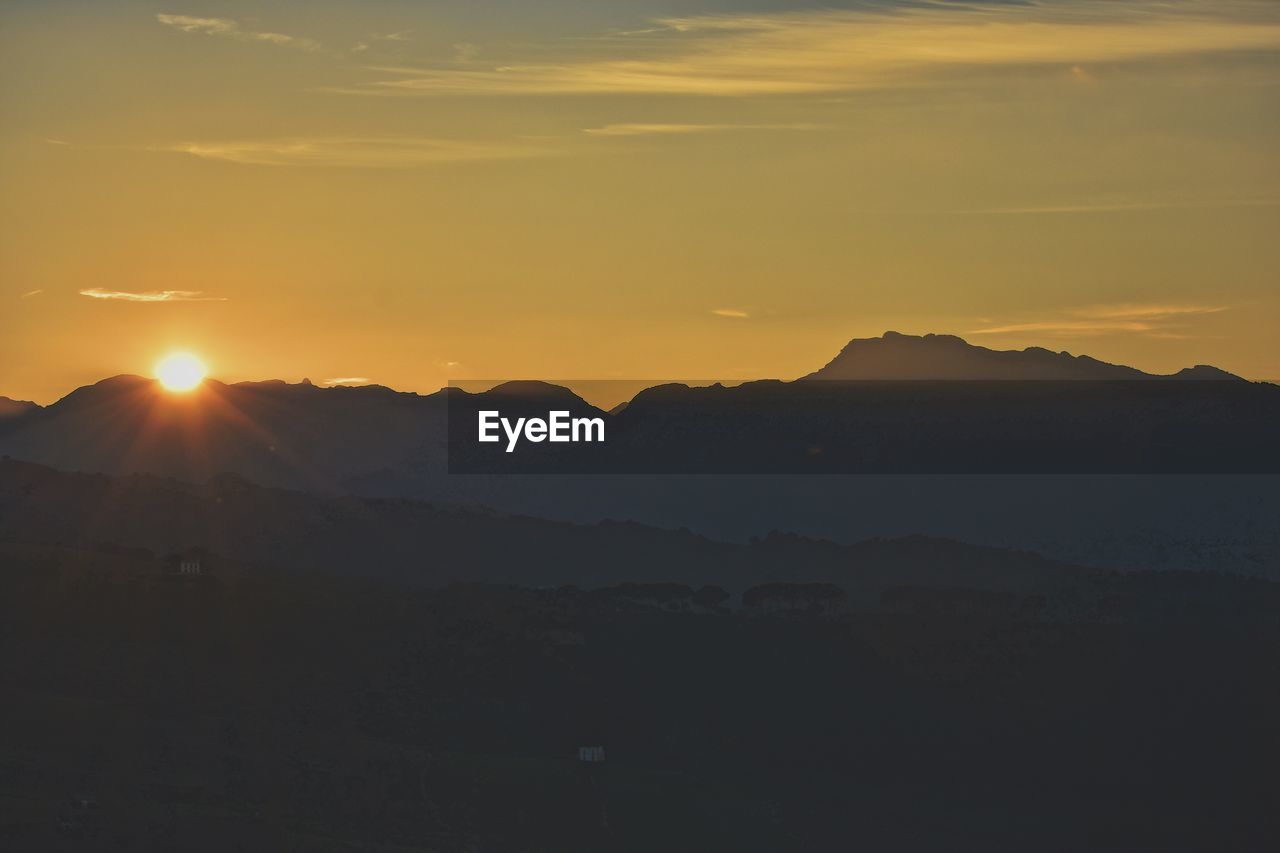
(409, 192)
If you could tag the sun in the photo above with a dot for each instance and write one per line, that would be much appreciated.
(180, 371)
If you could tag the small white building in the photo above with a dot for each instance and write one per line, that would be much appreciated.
(592, 754)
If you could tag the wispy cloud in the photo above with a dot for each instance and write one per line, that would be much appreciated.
(1152, 320)
(229, 28)
(356, 152)
(680, 129)
(152, 295)
(373, 38)
(732, 313)
(347, 380)
(1162, 311)
(1117, 206)
(31, 293)
(867, 48)
(1068, 328)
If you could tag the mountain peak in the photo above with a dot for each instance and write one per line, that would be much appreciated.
(895, 356)
(15, 408)
(1205, 371)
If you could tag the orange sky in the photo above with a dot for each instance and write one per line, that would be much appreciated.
(413, 192)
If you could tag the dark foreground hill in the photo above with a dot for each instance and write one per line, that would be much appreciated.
(429, 544)
(256, 710)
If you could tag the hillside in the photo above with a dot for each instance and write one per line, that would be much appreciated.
(432, 544)
(270, 711)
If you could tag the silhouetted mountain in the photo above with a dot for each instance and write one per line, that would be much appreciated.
(272, 432)
(333, 439)
(945, 426)
(374, 441)
(15, 408)
(275, 433)
(895, 356)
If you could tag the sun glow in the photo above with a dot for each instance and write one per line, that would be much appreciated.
(180, 371)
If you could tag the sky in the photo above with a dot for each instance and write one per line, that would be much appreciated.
(409, 193)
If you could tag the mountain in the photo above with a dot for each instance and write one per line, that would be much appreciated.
(945, 427)
(15, 408)
(275, 433)
(272, 432)
(895, 356)
(375, 442)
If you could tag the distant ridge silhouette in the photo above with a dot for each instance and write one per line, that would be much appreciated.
(15, 408)
(895, 356)
(909, 418)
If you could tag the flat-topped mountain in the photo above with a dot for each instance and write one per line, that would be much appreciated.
(930, 357)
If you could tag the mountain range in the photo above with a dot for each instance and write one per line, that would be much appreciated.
(760, 440)
(931, 404)
(890, 405)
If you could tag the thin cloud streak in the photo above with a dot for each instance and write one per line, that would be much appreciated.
(1154, 320)
(228, 28)
(732, 313)
(1159, 312)
(347, 380)
(1067, 328)
(1116, 207)
(682, 129)
(356, 152)
(828, 51)
(31, 293)
(151, 295)
(374, 38)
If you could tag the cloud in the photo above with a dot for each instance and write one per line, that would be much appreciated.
(1154, 312)
(373, 38)
(31, 293)
(679, 129)
(1117, 207)
(347, 380)
(228, 28)
(356, 152)
(1082, 75)
(732, 313)
(151, 295)
(1160, 320)
(1068, 328)
(826, 51)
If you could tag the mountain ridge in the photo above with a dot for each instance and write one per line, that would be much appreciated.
(340, 439)
(895, 356)
(859, 359)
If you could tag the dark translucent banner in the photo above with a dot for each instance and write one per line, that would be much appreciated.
(864, 427)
